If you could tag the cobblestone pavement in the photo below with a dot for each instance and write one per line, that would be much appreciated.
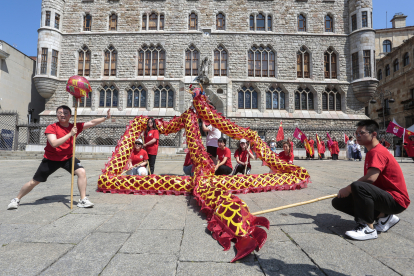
(167, 235)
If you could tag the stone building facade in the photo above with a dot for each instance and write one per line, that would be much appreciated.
(395, 72)
(307, 62)
(388, 39)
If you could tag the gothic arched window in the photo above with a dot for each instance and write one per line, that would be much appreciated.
(192, 22)
(192, 58)
(87, 22)
(275, 98)
(163, 97)
(330, 64)
(220, 22)
(84, 62)
(220, 61)
(113, 22)
(248, 98)
(301, 23)
(303, 63)
(137, 96)
(261, 62)
(331, 100)
(108, 96)
(110, 61)
(304, 99)
(151, 61)
(328, 24)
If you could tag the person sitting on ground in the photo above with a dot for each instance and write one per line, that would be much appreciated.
(224, 166)
(243, 155)
(138, 160)
(59, 153)
(286, 155)
(188, 165)
(380, 194)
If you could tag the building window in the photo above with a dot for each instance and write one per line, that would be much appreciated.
(110, 62)
(406, 59)
(192, 22)
(396, 65)
(355, 66)
(367, 63)
(252, 27)
(248, 98)
(84, 63)
(303, 99)
(269, 23)
(220, 22)
(137, 97)
(53, 69)
(220, 61)
(108, 96)
(328, 24)
(84, 101)
(301, 23)
(275, 98)
(192, 58)
(164, 97)
(331, 100)
(260, 22)
(113, 22)
(155, 22)
(364, 19)
(386, 46)
(57, 20)
(387, 70)
(47, 21)
(379, 74)
(87, 22)
(43, 63)
(262, 62)
(303, 63)
(354, 22)
(330, 64)
(151, 61)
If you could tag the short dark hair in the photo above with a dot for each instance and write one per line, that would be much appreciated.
(64, 107)
(222, 140)
(369, 125)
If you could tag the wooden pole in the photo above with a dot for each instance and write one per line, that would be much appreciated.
(132, 167)
(294, 205)
(247, 162)
(73, 157)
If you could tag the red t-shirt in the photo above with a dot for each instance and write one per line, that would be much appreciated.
(285, 157)
(391, 178)
(334, 149)
(64, 151)
(224, 153)
(311, 143)
(188, 161)
(152, 149)
(243, 156)
(138, 156)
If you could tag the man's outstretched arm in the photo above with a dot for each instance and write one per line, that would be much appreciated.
(98, 121)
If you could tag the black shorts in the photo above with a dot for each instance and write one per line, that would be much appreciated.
(47, 167)
(212, 151)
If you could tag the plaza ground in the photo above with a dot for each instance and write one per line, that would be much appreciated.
(167, 235)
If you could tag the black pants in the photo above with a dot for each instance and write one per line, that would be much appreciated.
(366, 202)
(334, 156)
(309, 156)
(322, 156)
(151, 162)
(240, 169)
(223, 170)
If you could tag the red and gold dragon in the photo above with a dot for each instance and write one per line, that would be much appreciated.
(229, 218)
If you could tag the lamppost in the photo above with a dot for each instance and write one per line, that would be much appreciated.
(381, 95)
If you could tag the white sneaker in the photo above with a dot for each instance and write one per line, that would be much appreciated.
(85, 203)
(362, 232)
(386, 223)
(14, 204)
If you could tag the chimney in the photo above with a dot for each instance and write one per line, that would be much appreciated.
(398, 21)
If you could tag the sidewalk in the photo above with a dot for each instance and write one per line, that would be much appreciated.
(167, 235)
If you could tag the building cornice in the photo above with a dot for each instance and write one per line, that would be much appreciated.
(3, 54)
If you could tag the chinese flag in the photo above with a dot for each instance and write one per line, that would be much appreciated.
(319, 145)
(280, 134)
(408, 144)
(346, 139)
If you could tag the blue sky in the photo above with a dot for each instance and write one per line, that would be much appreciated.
(20, 20)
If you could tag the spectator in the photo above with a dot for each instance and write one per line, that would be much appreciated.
(138, 156)
(243, 156)
(152, 137)
(224, 166)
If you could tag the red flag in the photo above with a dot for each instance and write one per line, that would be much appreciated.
(319, 146)
(395, 129)
(408, 144)
(330, 142)
(280, 134)
(346, 139)
(298, 134)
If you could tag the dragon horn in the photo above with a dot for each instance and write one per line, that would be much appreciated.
(202, 90)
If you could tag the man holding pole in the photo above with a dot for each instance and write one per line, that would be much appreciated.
(58, 154)
(379, 194)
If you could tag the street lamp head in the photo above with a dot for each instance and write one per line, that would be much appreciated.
(373, 101)
(391, 100)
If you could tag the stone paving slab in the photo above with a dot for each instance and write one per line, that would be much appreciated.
(29, 258)
(167, 235)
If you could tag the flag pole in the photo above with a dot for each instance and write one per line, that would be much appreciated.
(73, 157)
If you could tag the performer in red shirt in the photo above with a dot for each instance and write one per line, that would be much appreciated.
(323, 149)
(138, 156)
(311, 143)
(58, 154)
(286, 155)
(224, 166)
(241, 158)
(409, 146)
(334, 149)
(152, 137)
(379, 194)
